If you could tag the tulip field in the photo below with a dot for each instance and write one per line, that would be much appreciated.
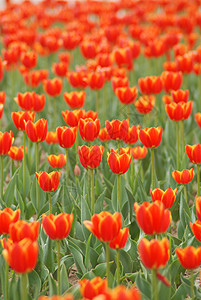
(100, 150)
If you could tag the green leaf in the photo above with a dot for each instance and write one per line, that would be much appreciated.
(34, 284)
(52, 285)
(64, 279)
(48, 255)
(87, 253)
(143, 285)
(78, 258)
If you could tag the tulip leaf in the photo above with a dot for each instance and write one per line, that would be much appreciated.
(87, 254)
(48, 255)
(74, 290)
(20, 202)
(64, 279)
(143, 285)
(180, 293)
(126, 261)
(9, 191)
(35, 284)
(52, 285)
(78, 258)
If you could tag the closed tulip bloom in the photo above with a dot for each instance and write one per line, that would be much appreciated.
(16, 153)
(198, 207)
(7, 217)
(183, 177)
(36, 132)
(56, 161)
(104, 225)
(60, 69)
(117, 129)
(132, 136)
(21, 117)
(189, 257)
(167, 197)
(90, 114)
(119, 163)
(29, 59)
(139, 152)
(22, 257)
(179, 111)
(198, 119)
(196, 229)
(180, 96)
(145, 104)
(150, 85)
(88, 49)
(123, 57)
(154, 254)
(103, 135)
(96, 80)
(90, 157)
(38, 102)
(57, 227)
(92, 288)
(48, 182)
(53, 87)
(66, 136)
(2, 97)
(72, 117)
(25, 101)
(126, 95)
(89, 129)
(152, 218)
(194, 153)
(120, 241)
(56, 297)
(171, 81)
(75, 99)
(22, 229)
(1, 110)
(51, 137)
(151, 137)
(185, 63)
(6, 140)
(78, 79)
(118, 82)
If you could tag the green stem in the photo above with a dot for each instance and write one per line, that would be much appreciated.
(6, 280)
(153, 169)
(2, 177)
(67, 169)
(118, 268)
(55, 113)
(76, 150)
(119, 146)
(128, 111)
(132, 170)
(141, 171)
(97, 102)
(119, 190)
(154, 285)
(177, 130)
(24, 286)
(89, 186)
(58, 268)
(50, 203)
(37, 169)
(29, 151)
(107, 262)
(183, 137)
(24, 165)
(185, 193)
(198, 179)
(92, 192)
(192, 286)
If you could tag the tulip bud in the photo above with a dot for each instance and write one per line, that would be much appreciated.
(77, 171)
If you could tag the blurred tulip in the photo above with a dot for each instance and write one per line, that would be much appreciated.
(120, 241)
(116, 129)
(36, 132)
(194, 153)
(29, 59)
(75, 99)
(22, 229)
(180, 96)
(53, 87)
(56, 161)
(144, 104)
(90, 157)
(16, 153)
(139, 152)
(126, 95)
(167, 197)
(7, 217)
(21, 117)
(51, 137)
(72, 117)
(132, 135)
(171, 81)
(89, 129)
(183, 177)
(179, 111)
(189, 257)
(60, 69)
(150, 85)
(92, 288)
(6, 140)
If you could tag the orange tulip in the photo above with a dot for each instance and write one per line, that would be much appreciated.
(70, 40)
(21, 230)
(7, 217)
(2, 97)
(152, 218)
(56, 161)
(154, 254)
(36, 132)
(189, 257)
(122, 292)
(38, 102)
(88, 49)
(6, 140)
(171, 81)
(48, 182)
(90, 157)
(90, 114)
(150, 85)
(16, 153)
(25, 101)
(56, 297)
(21, 257)
(116, 129)
(167, 197)
(96, 80)
(104, 225)
(183, 177)
(132, 136)
(180, 96)
(51, 137)
(179, 111)
(89, 129)
(126, 95)
(151, 137)
(198, 119)
(75, 99)
(118, 82)
(35, 77)
(123, 57)
(29, 59)
(145, 104)
(139, 152)
(78, 79)
(66, 136)
(103, 135)
(64, 57)
(57, 227)
(120, 241)
(72, 117)
(60, 69)
(53, 87)
(92, 288)
(198, 207)
(119, 163)
(21, 117)
(196, 229)
(185, 63)
(194, 153)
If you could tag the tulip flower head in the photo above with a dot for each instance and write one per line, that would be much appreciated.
(183, 177)
(56, 161)
(194, 153)
(166, 197)
(92, 288)
(66, 136)
(90, 157)
(116, 129)
(189, 257)
(21, 117)
(89, 129)
(139, 152)
(6, 140)
(22, 229)
(36, 132)
(7, 217)
(151, 137)
(120, 241)
(48, 182)
(119, 163)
